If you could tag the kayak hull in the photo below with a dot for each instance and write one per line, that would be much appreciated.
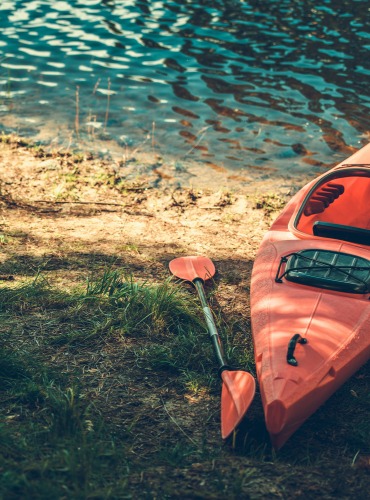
(334, 323)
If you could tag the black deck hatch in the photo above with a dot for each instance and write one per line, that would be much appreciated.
(338, 271)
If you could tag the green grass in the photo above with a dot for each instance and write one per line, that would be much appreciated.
(51, 439)
(109, 389)
(54, 438)
(270, 203)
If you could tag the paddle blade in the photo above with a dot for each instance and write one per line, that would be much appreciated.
(238, 391)
(192, 267)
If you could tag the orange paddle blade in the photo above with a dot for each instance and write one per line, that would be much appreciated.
(192, 267)
(238, 391)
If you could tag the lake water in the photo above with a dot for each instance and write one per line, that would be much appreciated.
(265, 87)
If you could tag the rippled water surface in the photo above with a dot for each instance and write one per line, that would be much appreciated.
(257, 86)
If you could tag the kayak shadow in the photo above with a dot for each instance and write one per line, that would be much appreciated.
(338, 430)
(251, 438)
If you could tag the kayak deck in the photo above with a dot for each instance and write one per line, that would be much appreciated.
(310, 292)
(335, 325)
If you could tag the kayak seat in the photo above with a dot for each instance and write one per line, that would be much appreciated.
(340, 232)
(322, 198)
(338, 271)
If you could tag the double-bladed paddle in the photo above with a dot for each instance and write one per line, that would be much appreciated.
(238, 386)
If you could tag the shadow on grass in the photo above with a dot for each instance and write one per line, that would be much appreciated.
(114, 380)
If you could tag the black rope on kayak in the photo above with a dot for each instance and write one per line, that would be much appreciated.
(283, 260)
(324, 265)
(296, 339)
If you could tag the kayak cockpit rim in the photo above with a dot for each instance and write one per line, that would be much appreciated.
(336, 206)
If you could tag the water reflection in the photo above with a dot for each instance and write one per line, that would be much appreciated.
(257, 86)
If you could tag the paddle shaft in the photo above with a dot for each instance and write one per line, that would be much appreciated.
(212, 329)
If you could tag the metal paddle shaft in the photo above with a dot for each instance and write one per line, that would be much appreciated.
(212, 329)
(238, 386)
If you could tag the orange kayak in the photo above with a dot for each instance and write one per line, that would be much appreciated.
(310, 296)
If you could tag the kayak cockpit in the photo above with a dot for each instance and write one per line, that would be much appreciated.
(337, 206)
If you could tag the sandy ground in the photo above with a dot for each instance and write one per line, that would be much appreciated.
(55, 199)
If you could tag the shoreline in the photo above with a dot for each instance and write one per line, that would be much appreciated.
(162, 172)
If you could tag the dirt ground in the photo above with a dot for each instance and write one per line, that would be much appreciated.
(59, 200)
(59, 212)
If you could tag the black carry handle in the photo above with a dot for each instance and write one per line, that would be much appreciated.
(296, 339)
